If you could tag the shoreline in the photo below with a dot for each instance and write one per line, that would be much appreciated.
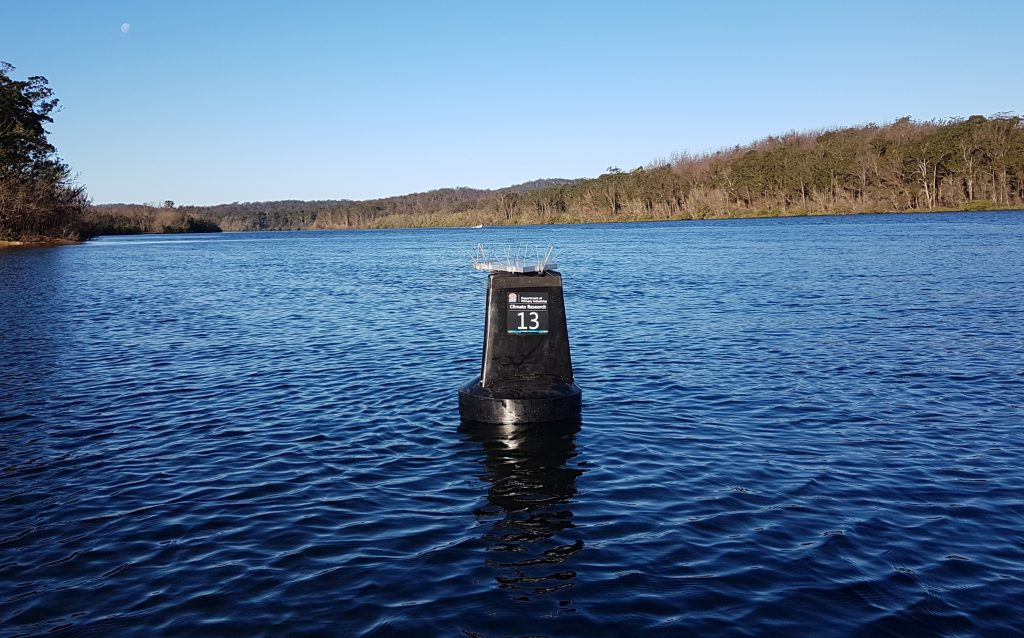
(635, 219)
(47, 243)
(38, 243)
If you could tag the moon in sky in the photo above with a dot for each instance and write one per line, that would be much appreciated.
(125, 28)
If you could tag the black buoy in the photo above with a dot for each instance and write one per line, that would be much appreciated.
(526, 375)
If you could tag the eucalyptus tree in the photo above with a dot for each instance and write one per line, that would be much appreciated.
(37, 196)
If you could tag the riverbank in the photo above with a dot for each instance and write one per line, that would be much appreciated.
(469, 221)
(37, 243)
(403, 222)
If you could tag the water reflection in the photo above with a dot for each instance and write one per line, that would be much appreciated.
(531, 540)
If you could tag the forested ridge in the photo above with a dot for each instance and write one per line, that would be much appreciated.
(973, 163)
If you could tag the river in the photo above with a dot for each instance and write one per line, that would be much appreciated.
(804, 426)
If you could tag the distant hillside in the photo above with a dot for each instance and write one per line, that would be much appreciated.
(109, 219)
(958, 164)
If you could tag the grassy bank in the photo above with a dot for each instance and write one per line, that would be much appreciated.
(405, 221)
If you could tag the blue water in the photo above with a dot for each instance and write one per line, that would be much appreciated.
(790, 427)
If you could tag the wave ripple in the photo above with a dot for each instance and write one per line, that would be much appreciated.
(803, 426)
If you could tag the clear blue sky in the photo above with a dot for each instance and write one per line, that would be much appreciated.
(210, 102)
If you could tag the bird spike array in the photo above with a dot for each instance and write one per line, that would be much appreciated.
(518, 258)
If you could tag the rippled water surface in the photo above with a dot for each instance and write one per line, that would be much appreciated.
(790, 427)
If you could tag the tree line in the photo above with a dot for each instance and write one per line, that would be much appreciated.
(133, 219)
(973, 163)
(441, 207)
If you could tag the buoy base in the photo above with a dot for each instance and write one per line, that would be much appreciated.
(520, 401)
